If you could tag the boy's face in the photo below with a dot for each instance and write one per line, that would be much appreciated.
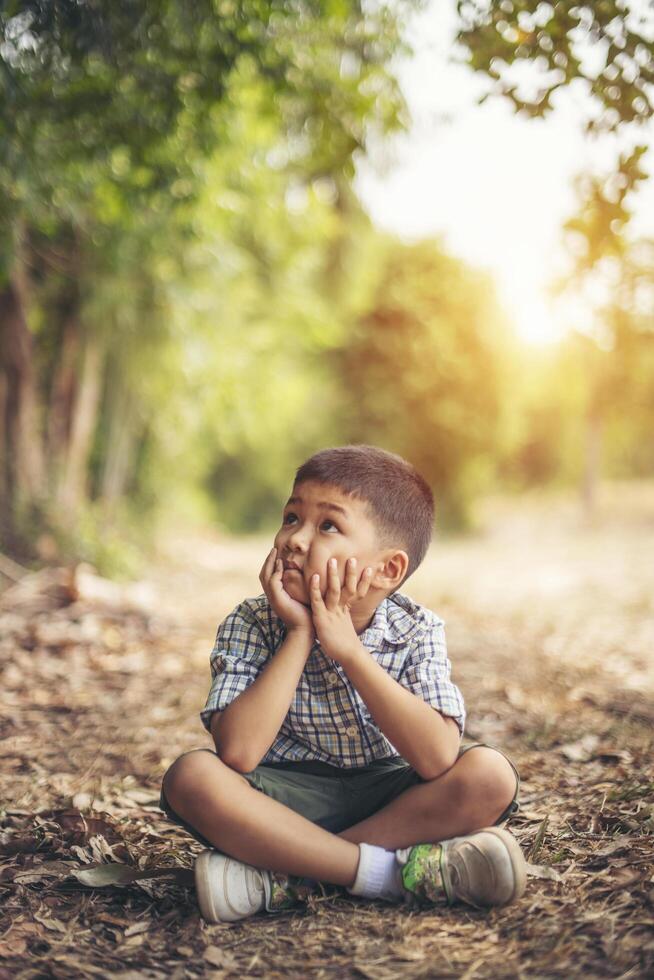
(320, 522)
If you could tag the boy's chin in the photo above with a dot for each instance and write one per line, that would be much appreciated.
(298, 592)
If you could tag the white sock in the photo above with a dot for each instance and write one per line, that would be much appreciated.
(378, 874)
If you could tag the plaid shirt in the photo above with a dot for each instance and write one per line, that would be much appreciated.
(327, 719)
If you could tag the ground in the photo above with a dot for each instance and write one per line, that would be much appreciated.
(550, 624)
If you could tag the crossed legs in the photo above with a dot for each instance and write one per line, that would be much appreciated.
(252, 827)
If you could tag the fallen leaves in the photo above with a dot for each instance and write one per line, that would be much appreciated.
(543, 871)
(103, 875)
(101, 695)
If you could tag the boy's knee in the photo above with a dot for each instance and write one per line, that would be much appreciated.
(487, 775)
(183, 775)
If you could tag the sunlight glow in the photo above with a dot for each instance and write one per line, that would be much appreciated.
(494, 187)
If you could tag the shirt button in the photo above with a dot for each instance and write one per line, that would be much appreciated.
(332, 678)
(352, 730)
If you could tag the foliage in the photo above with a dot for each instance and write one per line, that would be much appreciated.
(596, 233)
(558, 45)
(615, 273)
(115, 123)
(107, 105)
(529, 51)
(423, 371)
(201, 302)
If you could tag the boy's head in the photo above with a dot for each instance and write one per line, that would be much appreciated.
(355, 501)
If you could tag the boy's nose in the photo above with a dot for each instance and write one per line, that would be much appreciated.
(300, 540)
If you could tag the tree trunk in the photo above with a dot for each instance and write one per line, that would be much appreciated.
(120, 451)
(62, 398)
(73, 485)
(4, 486)
(23, 469)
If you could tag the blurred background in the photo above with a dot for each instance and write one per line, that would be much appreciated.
(233, 233)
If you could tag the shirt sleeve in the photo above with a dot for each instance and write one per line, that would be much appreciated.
(426, 673)
(239, 653)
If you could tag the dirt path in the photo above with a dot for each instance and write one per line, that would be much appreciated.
(550, 627)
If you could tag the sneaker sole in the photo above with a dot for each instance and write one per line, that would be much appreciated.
(215, 880)
(202, 888)
(210, 868)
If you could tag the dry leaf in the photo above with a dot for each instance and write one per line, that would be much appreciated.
(219, 957)
(94, 718)
(543, 871)
(49, 869)
(105, 875)
(12, 947)
(137, 928)
(582, 750)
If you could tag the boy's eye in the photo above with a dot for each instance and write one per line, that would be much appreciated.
(290, 518)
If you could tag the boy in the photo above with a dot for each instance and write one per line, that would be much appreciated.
(336, 726)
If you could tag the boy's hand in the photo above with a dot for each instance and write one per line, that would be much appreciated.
(294, 615)
(331, 615)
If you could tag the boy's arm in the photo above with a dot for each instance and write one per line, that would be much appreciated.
(244, 731)
(244, 728)
(428, 740)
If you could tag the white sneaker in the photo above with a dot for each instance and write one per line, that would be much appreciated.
(229, 890)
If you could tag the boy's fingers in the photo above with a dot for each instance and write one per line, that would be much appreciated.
(274, 580)
(333, 581)
(350, 585)
(268, 564)
(364, 582)
(315, 595)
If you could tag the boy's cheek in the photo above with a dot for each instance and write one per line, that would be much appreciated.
(322, 572)
(297, 589)
(308, 573)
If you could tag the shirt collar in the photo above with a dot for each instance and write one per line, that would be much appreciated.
(390, 624)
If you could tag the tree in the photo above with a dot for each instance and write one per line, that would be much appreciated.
(423, 371)
(530, 51)
(617, 351)
(107, 115)
(551, 40)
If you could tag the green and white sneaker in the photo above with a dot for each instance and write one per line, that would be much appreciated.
(483, 869)
(229, 890)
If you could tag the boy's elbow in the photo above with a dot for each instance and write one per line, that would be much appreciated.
(232, 756)
(435, 768)
(238, 763)
(446, 754)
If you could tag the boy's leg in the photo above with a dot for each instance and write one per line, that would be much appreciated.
(472, 794)
(257, 831)
(244, 823)
(240, 820)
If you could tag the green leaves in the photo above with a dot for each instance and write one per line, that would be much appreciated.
(606, 46)
(423, 371)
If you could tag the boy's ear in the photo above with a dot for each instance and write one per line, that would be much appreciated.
(392, 571)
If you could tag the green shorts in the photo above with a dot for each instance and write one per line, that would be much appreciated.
(335, 798)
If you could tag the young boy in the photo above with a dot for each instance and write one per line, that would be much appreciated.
(336, 726)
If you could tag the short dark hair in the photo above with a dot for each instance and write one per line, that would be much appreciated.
(400, 501)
